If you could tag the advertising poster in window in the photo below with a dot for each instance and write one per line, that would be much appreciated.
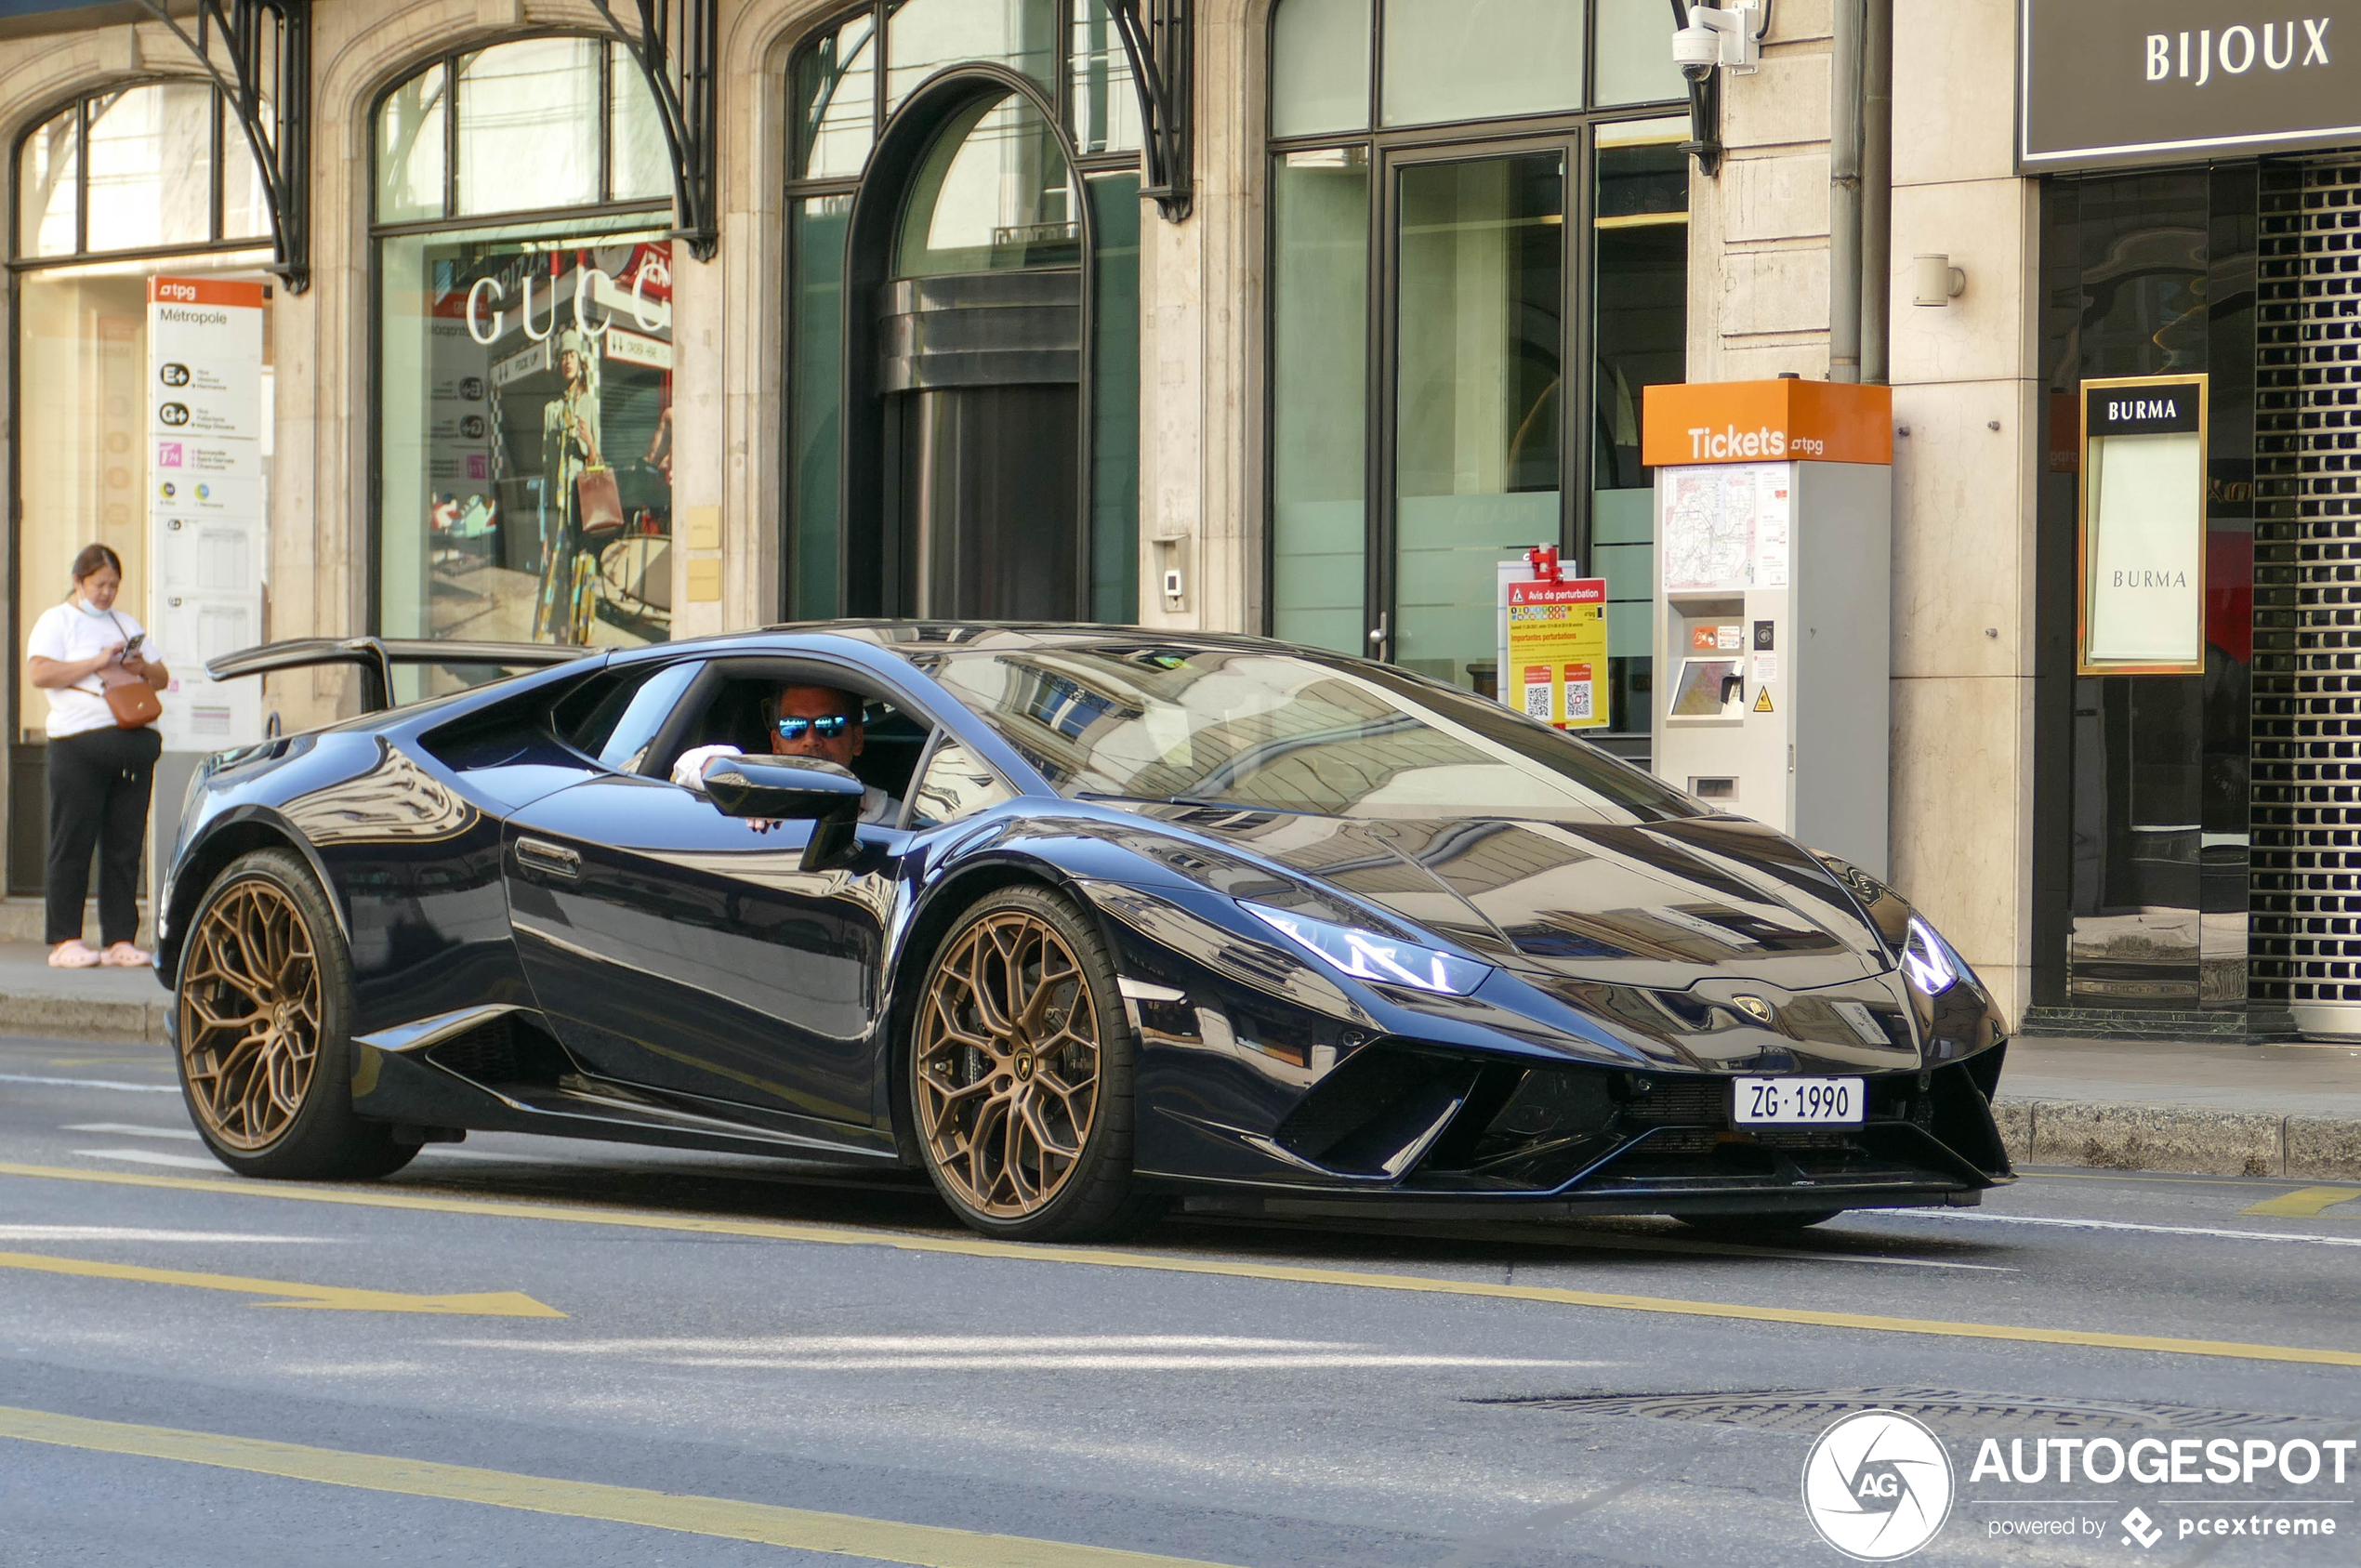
(206, 430)
(2143, 544)
(541, 409)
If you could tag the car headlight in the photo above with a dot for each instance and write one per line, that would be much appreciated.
(1930, 962)
(1370, 955)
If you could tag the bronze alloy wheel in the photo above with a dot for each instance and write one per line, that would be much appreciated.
(249, 1021)
(1007, 1064)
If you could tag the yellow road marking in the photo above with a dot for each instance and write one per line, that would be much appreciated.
(2304, 1204)
(977, 1246)
(924, 1545)
(328, 1297)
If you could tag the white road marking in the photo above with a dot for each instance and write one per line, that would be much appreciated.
(128, 1130)
(91, 1084)
(1103, 1362)
(154, 1157)
(917, 1344)
(131, 1234)
(2117, 1225)
(959, 1352)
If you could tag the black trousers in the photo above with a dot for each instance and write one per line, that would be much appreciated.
(98, 785)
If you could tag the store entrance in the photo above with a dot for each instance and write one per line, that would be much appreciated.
(979, 368)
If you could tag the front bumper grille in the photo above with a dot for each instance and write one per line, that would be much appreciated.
(1428, 1121)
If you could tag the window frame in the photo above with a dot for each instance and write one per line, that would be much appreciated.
(81, 255)
(1054, 101)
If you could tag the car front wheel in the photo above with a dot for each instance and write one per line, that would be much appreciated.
(1020, 1074)
(263, 1012)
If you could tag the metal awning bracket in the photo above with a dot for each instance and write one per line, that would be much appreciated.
(676, 47)
(258, 53)
(1156, 41)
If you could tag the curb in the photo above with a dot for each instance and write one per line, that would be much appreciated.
(72, 1018)
(2178, 1138)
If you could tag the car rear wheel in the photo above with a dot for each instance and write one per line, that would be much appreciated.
(263, 1013)
(1763, 1226)
(1020, 1074)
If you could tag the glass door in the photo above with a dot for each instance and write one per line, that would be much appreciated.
(1480, 348)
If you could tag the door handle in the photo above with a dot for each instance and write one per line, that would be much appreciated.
(556, 859)
(1379, 635)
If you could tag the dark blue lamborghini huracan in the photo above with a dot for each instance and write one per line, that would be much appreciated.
(1077, 919)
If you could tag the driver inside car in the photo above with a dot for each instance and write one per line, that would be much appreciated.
(817, 721)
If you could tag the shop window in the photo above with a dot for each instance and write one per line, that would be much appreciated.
(524, 368)
(112, 190)
(1454, 377)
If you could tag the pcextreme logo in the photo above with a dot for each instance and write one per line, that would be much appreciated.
(1877, 1486)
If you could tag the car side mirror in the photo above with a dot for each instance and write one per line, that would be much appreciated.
(789, 788)
(792, 789)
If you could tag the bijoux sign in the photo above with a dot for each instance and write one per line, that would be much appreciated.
(2110, 84)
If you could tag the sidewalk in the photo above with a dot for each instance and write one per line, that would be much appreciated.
(77, 1004)
(2206, 1107)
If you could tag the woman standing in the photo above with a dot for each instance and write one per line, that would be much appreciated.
(99, 772)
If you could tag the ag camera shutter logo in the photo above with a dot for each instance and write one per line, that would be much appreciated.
(1877, 1485)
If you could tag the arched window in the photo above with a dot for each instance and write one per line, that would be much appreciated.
(963, 314)
(524, 349)
(1478, 222)
(140, 168)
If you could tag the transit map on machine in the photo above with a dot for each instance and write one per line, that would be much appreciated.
(1725, 527)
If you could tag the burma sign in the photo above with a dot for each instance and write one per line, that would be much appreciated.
(2142, 532)
(2109, 84)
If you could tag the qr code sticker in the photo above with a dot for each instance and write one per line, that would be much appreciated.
(1537, 703)
(1577, 701)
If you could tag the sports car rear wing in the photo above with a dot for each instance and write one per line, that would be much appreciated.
(375, 656)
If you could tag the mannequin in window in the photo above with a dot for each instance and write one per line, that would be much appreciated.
(570, 436)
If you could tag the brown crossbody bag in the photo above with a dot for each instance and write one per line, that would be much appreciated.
(129, 697)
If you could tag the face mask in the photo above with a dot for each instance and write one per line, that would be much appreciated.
(87, 608)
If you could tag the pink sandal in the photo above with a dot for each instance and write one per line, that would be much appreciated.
(123, 955)
(71, 954)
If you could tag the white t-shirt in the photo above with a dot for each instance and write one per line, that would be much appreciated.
(70, 634)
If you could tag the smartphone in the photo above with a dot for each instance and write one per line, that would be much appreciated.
(132, 646)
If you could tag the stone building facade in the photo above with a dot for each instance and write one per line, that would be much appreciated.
(946, 357)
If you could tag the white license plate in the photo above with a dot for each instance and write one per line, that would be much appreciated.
(1798, 1102)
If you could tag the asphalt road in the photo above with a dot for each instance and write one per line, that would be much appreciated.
(532, 1351)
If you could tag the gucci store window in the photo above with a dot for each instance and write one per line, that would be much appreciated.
(115, 191)
(1479, 231)
(524, 354)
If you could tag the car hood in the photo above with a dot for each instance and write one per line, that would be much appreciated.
(1657, 905)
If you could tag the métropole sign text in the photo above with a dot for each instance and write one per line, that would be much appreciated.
(2110, 84)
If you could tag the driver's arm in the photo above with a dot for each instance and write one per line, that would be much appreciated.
(688, 771)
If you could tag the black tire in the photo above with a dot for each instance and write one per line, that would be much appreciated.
(264, 939)
(962, 1074)
(1769, 1227)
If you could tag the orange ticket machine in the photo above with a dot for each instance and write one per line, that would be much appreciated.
(1774, 604)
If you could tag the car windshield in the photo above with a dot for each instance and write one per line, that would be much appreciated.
(1272, 731)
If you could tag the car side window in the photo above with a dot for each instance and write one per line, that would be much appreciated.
(956, 784)
(624, 745)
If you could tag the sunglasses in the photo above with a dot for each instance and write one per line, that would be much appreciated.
(827, 728)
